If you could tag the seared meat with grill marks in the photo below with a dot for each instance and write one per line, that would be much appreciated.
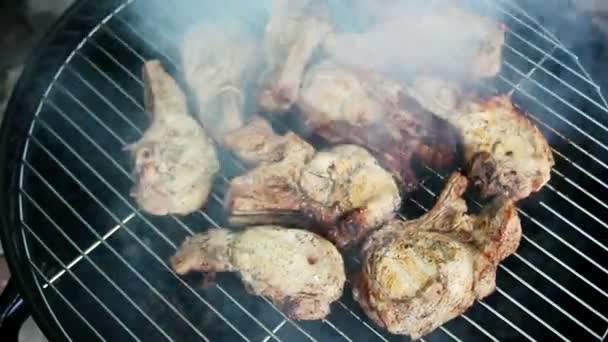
(301, 272)
(175, 160)
(505, 153)
(217, 60)
(295, 30)
(406, 37)
(417, 275)
(342, 192)
(344, 106)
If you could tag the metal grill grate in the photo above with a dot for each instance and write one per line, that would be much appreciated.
(101, 262)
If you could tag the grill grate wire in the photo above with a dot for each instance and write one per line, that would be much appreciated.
(502, 316)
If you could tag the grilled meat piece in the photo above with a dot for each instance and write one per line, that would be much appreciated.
(342, 192)
(295, 30)
(417, 275)
(443, 40)
(344, 106)
(256, 143)
(217, 60)
(175, 160)
(301, 272)
(505, 153)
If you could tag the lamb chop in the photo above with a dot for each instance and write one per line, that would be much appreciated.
(217, 60)
(295, 30)
(417, 275)
(341, 192)
(505, 153)
(409, 36)
(175, 160)
(299, 271)
(344, 106)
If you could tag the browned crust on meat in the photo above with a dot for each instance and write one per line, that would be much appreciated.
(272, 194)
(277, 194)
(302, 308)
(501, 226)
(489, 237)
(289, 206)
(410, 135)
(484, 168)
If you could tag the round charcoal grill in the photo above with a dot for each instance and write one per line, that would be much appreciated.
(91, 266)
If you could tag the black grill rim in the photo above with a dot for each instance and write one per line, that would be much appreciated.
(43, 62)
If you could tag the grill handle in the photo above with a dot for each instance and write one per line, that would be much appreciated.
(13, 312)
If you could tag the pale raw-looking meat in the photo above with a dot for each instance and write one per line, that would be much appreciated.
(406, 37)
(505, 153)
(217, 60)
(342, 192)
(294, 31)
(345, 106)
(416, 275)
(301, 272)
(175, 160)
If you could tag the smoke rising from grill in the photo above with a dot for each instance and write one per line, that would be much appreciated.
(390, 41)
(396, 37)
(409, 39)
